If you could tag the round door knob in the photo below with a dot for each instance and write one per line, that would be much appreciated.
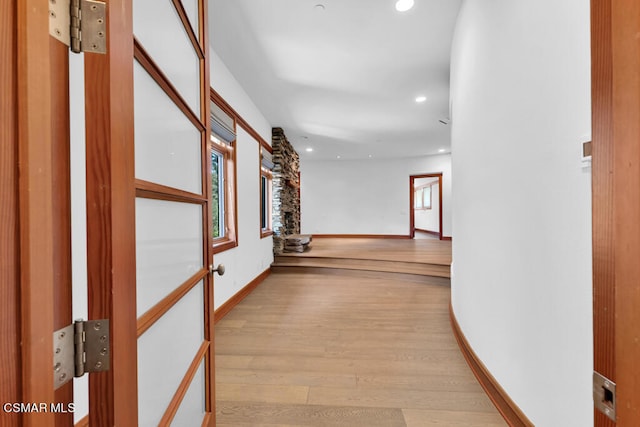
(220, 269)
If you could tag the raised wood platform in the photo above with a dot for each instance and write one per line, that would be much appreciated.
(418, 258)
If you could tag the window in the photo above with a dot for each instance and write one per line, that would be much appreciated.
(417, 198)
(223, 206)
(426, 197)
(217, 193)
(422, 197)
(266, 167)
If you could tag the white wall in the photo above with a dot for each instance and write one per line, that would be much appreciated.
(223, 82)
(429, 219)
(253, 255)
(521, 286)
(366, 196)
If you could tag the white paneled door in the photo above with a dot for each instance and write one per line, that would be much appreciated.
(105, 206)
(148, 216)
(172, 214)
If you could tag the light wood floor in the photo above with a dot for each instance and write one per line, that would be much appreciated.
(307, 349)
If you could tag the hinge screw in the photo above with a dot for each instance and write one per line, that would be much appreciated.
(57, 367)
(62, 334)
(98, 365)
(103, 351)
(62, 377)
(103, 338)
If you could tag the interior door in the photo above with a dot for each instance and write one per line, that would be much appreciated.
(148, 214)
(174, 303)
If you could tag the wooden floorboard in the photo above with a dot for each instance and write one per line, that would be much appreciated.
(308, 349)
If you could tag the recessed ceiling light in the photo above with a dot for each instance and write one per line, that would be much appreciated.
(337, 157)
(404, 5)
(319, 7)
(421, 98)
(309, 149)
(442, 150)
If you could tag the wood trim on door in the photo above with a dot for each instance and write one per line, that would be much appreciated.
(113, 395)
(35, 154)
(615, 71)
(209, 306)
(10, 386)
(625, 25)
(412, 219)
(602, 196)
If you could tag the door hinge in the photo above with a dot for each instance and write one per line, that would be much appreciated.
(80, 24)
(604, 395)
(79, 348)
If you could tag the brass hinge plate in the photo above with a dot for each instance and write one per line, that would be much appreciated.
(80, 24)
(604, 395)
(80, 348)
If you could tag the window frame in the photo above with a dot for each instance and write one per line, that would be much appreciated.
(230, 206)
(266, 203)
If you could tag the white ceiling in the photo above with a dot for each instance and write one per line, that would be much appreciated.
(343, 79)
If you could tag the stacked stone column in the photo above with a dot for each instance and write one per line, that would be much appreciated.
(286, 190)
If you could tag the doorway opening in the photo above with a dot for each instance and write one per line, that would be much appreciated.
(425, 206)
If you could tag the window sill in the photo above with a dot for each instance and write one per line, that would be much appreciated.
(265, 233)
(224, 245)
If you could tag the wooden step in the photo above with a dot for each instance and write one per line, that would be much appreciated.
(366, 274)
(414, 268)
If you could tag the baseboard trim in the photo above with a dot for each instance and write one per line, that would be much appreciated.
(446, 238)
(512, 414)
(361, 236)
(435, 233)
(239, 296)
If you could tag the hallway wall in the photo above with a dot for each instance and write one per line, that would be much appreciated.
(369, 196)
(253, 255)
(521, 274)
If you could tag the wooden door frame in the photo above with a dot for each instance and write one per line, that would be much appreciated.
(35, 194)
(39, 298)
(412, 220)
(10, 321)
(615, 56)
(35, 208)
